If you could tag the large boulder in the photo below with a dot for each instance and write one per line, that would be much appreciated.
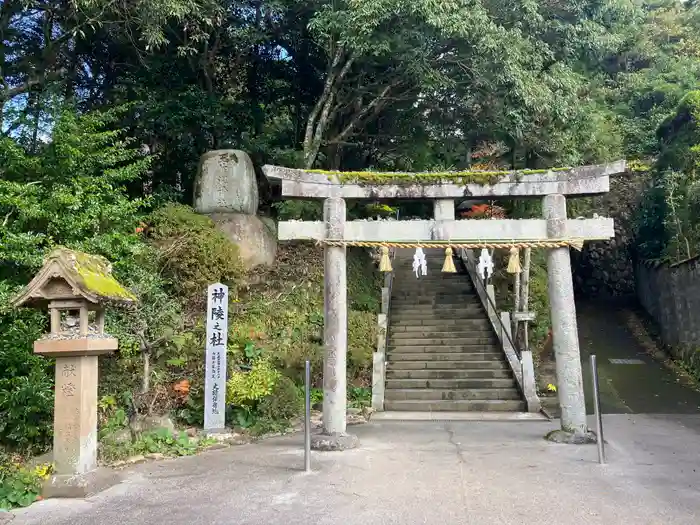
(256, 237)
(226, 183)
(141, 423)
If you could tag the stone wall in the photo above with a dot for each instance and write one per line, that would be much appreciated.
(606, 268)
(671, 296)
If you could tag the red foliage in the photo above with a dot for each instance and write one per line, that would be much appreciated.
(485, 211)
(182, 388)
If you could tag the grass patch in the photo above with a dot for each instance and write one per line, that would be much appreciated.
(161, 441)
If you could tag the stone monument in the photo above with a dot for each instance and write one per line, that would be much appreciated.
(226, 190)
(75, 287)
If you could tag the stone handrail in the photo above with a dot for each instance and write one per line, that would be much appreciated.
(520, 363)
(379, 356)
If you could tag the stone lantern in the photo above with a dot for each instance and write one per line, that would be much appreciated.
(75, 288)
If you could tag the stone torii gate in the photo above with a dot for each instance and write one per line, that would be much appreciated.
(551, 185)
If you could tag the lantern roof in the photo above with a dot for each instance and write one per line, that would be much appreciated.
(70, 275)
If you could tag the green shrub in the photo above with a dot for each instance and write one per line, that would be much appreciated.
(71, 192)
(283, 404)
(539, 301)
(26, 396)
(20, 486)
(362, 341)
(26, 411)
(164, 442)
(194, 253)
(359, 397)
(246, 388)
(283, 314)
(299, 210)
(155, 320)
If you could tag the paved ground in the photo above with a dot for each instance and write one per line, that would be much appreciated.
(438, 473)
(442, 473)
(641, 388)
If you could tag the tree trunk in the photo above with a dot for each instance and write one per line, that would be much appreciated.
(309, 155)
(146, 384)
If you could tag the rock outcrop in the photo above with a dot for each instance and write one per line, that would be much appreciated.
(606, 268)
(256, 237)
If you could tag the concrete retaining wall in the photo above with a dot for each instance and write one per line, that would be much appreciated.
(671, 296)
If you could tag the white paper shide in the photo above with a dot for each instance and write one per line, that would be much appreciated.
(485, 265)
(215, 380)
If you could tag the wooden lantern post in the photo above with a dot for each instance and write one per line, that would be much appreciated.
(75, 287)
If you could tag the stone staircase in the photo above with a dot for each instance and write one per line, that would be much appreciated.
(442, 352)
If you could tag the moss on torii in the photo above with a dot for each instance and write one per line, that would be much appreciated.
(482, 178)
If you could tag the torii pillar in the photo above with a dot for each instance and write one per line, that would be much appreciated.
(560, 287)
(335, 334)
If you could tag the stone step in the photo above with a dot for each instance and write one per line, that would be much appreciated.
(456, 406)
(445, 340)
(471, 373)
(426, 322)
(461, 306)
(416, 325)
(442, 349)
(437, 289)
(427, 299)
(396, 356)
(403, 317)
(410, 283)
(471, 337)
(432, 293)
(413, 285)
(432, 364)
(429, 303)
(440, 394)
(456, 384)
(440, 332)
(430, 312)
(475, 364)
(464, 301)
(402, 275)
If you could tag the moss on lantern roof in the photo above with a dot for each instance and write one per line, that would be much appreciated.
(94, 274)
(89, 276)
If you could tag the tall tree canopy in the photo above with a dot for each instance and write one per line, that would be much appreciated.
(354, 83)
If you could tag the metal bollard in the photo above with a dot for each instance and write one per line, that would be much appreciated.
(598, 416)
(307, 418)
